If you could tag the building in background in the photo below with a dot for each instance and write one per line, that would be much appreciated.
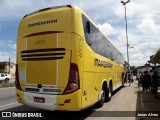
(152, 64)
(155, 59)
(7, 67)
(146, 67)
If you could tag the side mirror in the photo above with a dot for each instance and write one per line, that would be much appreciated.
(88, 26)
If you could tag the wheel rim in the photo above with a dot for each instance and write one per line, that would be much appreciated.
(103, 97)
(110, 94)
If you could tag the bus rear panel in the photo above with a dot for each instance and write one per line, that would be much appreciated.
(46, 76)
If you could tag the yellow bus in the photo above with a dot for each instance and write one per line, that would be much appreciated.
(64, 62)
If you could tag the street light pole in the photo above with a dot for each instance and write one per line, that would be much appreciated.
(9, 64)
(124, 3)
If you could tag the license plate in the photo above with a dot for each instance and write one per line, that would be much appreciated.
(39, 99)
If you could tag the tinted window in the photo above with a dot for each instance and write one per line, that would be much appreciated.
(90, 37)
(99, 43)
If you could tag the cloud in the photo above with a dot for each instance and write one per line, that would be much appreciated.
(17, 9)
(148, 26)
(133, 9)
(6, 56)
(2, 43)
(12, 46)
(13, 9)
(106, 28)
(7, 49)
(143, 30)
(4, 53)
(143, 23)
(143, 46)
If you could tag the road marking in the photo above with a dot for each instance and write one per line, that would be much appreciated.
(7, 92)
(6, 88)
(8, 104)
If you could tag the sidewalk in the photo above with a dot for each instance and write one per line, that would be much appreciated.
(11, 83)
(12, 80)
(147, 103)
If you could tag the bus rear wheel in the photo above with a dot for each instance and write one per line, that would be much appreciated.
(109, 93)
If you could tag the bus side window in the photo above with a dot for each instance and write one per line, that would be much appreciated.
(88, 27)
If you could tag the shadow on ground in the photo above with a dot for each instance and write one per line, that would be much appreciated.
(57, 115)
(147, 104)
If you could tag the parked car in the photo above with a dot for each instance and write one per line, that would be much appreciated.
(4, 77)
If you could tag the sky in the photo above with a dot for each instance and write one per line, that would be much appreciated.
(143, 18)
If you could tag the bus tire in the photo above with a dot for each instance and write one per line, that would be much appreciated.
(108, 93)
(103, 97)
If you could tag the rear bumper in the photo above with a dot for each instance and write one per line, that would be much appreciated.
(49, 104)
(69, 102)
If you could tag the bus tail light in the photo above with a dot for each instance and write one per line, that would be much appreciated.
(73, 82)
(18, 86)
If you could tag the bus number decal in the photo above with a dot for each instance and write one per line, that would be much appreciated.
(80, 47)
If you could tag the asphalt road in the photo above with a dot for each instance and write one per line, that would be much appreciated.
(123, 100)
(7, 98)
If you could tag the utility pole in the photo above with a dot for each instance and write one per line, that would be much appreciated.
(124, 3)
(9, 64)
